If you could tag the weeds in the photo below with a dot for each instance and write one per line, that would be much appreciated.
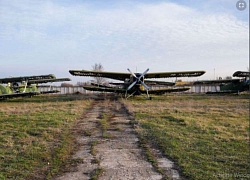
(105, 122)
(96, 173)
(92, 148)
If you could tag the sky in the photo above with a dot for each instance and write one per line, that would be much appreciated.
(55, 36)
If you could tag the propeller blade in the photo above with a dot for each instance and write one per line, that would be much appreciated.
(132, 73)
(143, 74)
(145, 86)
(131, 85)
(138, 79)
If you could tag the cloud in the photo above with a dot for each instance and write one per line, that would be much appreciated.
(162, 36)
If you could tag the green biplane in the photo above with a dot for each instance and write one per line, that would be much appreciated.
(26, 86)
(135, 83)
(228, 86)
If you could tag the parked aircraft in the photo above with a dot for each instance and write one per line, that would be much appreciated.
(25, 85)
(134, 83)
(229, 85)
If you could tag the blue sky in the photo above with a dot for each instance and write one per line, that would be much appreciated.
(54, 36)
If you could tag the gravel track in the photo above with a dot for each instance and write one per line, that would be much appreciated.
(110, 148)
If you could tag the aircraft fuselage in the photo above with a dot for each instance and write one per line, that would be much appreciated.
(243, 85)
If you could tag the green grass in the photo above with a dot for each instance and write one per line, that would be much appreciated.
(207, 136)
(96, 173)
(36, 135)
(104, 122)
(148, 153)
(105, 119)
(92, 148)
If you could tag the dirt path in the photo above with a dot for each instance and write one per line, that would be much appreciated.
(110, 148)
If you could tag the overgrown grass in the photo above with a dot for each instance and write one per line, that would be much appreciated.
(206, 135)
(105, 120)
(36, 135)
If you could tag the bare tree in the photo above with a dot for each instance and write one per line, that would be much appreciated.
(228, 77)
(66, 85)
(98, 68)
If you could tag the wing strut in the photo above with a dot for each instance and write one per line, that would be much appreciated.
(127, 96)
(147, 94)
(26, 83)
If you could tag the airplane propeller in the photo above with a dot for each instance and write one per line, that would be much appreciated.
(131, 85)
(138, 79)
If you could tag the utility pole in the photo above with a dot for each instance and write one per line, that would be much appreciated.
(214, 73)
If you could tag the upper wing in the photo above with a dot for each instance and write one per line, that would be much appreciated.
(112, 75)
(241, 74)
(39, 81)
(217, 81)
(123, 76)
(174, 74)
(26, 78)
(14, 95)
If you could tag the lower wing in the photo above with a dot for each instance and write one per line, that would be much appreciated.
(164, 83)
(168, 90)
(14, 95)
(224, 92)
(49, 92)
(120, 90)
(104, 89)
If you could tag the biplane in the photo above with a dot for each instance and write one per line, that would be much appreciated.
(26, 86)
(135, 83)
(228, 86)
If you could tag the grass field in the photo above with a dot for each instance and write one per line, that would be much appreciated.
(207, 136)
(36, 135)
